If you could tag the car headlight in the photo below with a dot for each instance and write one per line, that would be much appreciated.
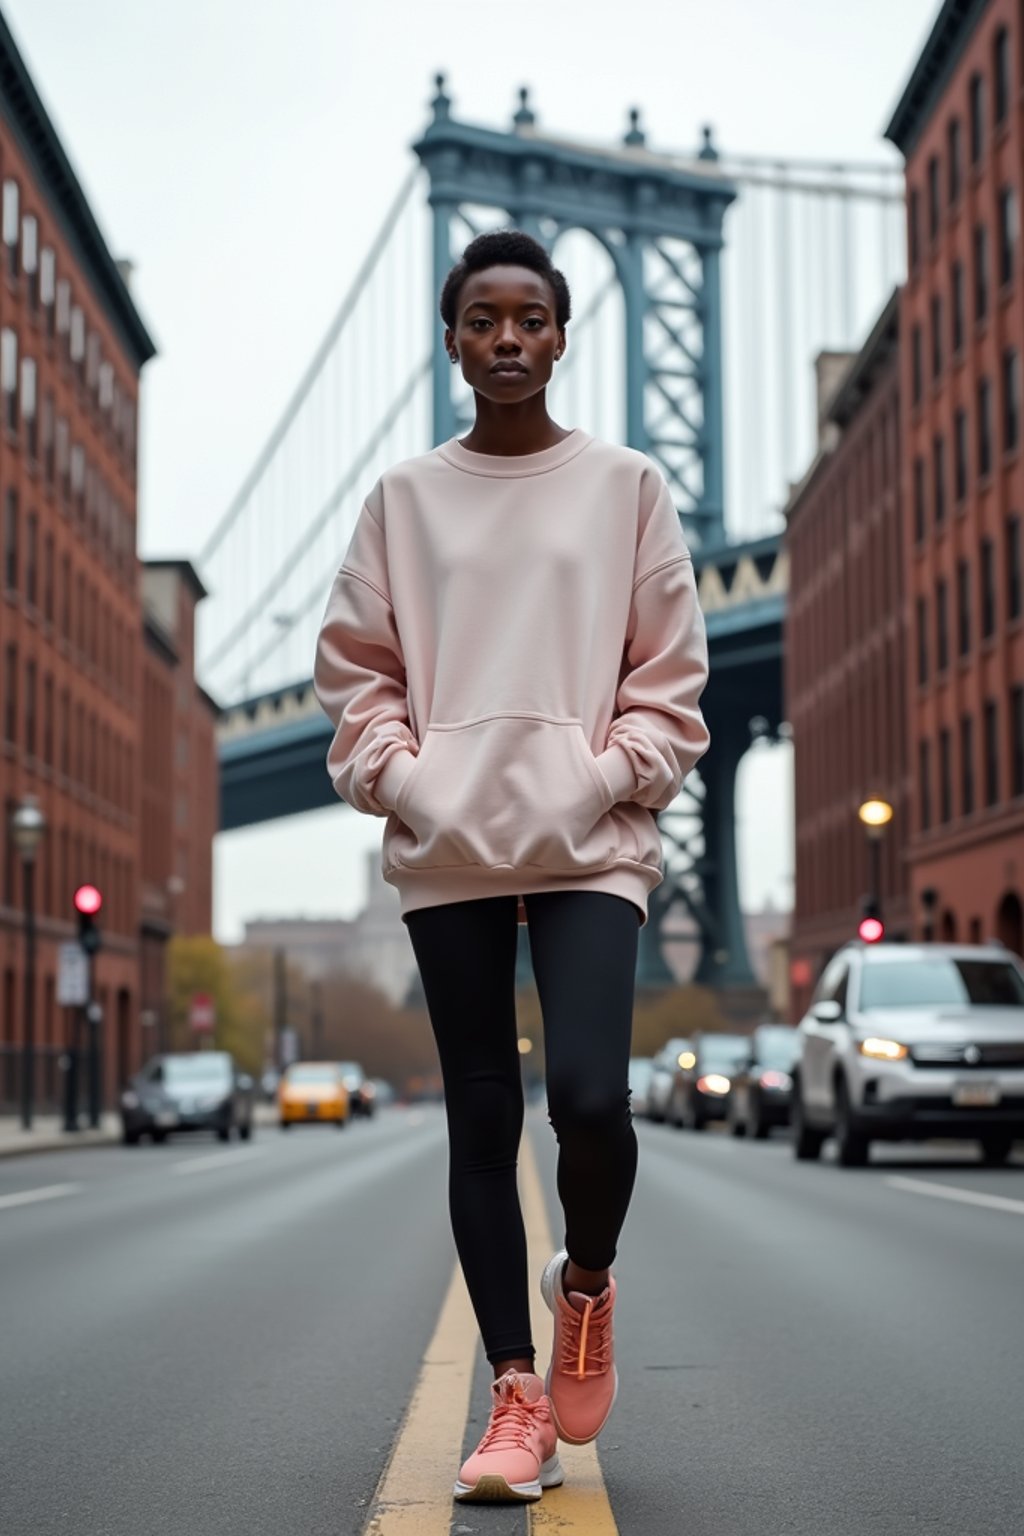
(129, 1099)
(773, 1079)
(687, 1060)
(882, 1050)
(714, 1082)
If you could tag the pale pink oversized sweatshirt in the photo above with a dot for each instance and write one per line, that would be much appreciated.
(513, 657)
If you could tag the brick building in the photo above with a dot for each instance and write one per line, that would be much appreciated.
(73, 730)
(959, 126)
(844, 668)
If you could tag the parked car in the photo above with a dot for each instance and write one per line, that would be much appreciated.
(663, 1073)
(703, 1079)
(188, 1091)
(312, 1092)
(361, 1091)
(906, 1042)
(762, 1089)
(639, 1083)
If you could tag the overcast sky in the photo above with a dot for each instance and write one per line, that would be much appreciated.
(243, 153)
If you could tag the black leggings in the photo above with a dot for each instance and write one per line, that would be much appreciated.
(583, 945)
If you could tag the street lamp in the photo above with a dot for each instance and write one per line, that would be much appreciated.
(27, 827)
(875, 815)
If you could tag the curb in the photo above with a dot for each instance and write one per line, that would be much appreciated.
(68, 1141)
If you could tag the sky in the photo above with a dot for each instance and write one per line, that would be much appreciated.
(242, 153)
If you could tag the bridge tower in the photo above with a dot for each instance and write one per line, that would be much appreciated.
(659, 218)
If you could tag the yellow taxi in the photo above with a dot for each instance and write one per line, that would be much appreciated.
(313, 1091)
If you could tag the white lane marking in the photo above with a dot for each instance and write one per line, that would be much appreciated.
(949, 1192)
(215, 1160)
(45, 1192)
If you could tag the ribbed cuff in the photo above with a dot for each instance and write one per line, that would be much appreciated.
(616, 765)
(392, 776)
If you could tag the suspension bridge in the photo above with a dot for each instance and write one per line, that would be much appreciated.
(703, 287)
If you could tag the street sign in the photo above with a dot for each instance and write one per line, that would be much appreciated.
(72, 976)
(202, 1013)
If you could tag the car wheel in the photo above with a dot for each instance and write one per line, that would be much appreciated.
(760, 1127)
(807, 1142)
(674, 1114)
(285, 1125)
(223, 1133)
(852, 1146)
(339, 1125)
(737, 1127)
(129, 1138)
(159, 1137)
(245, 1131)
(995, 1150)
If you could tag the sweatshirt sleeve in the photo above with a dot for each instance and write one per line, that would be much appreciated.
(658, 732)
(359, 678)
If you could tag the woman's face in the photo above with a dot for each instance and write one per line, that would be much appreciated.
(505, 334)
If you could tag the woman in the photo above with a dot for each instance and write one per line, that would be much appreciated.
(513, 657)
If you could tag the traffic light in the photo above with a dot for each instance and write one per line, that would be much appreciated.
(88, 902)
(871, 928)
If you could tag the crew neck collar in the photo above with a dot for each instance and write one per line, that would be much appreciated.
(507, 466)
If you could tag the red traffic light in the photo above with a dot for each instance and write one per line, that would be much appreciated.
(88, 900)
(871, 929)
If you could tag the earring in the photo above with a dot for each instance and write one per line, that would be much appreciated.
(453, 357)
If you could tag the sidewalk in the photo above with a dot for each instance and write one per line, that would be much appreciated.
(47, 1134)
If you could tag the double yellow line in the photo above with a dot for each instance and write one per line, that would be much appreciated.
(414, 1495)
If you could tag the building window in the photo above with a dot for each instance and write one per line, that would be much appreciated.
(12, 225)
(936, 336)
(1011, 399)
(1009, 230)
(967, 765)
(924, 775)
(933, 197)
(30, 708)
(941, 626)
(1013, 571)
(11, 541)
(48, 578)
(914, 228)
(917, 365)
(977, 111)
(957, 305)
(31, 558)
(30, 256)
(9, 376)
(945, 777)
(11, 695)
(47, 435)
(988, 589)
(991, 753)
(28, 406)
(48, 720)
(1017, 727)
(63, 306)
(960, 454)
(963, 607)
(984, 428)
(48, 285)
(77, 339)
(954, 158)
(77, 473)
(919, 518)
(922, 640)
(980, 272)
(65, 596)
(1001, 76)
(939, 479)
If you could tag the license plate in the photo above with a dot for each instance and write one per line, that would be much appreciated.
(976, 1095)
(166, 1117)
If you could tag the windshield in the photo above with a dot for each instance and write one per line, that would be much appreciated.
(920, 983)
(639, 1073)
(777, 1048)
(350, 1069)
(311, 1075)
(722, 1050)
(193, 1069)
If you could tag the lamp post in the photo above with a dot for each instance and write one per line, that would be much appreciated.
(27, 827)
(875, 815)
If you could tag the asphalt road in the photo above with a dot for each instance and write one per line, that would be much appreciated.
(215, 1340)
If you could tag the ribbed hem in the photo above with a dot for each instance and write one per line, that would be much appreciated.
(438, 887)
(510, 466)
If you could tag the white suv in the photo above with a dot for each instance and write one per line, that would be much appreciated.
(908, 1041)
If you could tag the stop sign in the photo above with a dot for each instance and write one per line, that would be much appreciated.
(202, 1013)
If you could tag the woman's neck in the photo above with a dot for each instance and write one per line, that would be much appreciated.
(511, 430)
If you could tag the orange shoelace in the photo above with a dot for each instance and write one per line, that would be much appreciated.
(512, 1419)
(586, 1339)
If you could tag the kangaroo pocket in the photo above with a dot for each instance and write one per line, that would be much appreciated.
(504, 792)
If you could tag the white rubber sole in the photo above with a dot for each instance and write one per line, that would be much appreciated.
(495, 1490)
(549, 1281)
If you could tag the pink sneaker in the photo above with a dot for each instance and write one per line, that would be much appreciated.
(518, 1455)
(582, 1381)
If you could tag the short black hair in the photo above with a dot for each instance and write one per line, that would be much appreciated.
(501, 248)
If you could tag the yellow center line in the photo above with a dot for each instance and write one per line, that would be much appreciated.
(581, 1506)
